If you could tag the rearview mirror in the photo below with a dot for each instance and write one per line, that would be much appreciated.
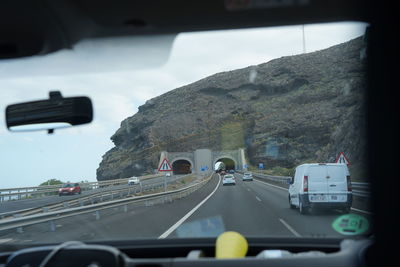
(53, 113)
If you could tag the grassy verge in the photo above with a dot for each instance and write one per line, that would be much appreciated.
(275, 171)
(181, 183)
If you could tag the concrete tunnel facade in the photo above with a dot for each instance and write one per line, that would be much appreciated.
(202, 161)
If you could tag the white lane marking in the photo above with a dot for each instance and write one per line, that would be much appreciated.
(248, 189)
(184, 218)
(282, 188)
(258, 198)
(5, 240)
(362, 211)
(289, 228)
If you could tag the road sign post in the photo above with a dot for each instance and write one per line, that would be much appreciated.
(165, 182)
(165, 167)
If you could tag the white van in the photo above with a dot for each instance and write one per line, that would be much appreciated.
(325, 185)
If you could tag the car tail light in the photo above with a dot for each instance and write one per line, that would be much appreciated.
(349, 187)
(305, 183)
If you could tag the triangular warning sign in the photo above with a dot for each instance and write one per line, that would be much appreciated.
(165, 166)
(342, 159)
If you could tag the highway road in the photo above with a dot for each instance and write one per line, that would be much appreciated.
(257, 208)
(252, 208)
(15, 205)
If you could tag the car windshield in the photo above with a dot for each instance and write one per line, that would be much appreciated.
(259, 100)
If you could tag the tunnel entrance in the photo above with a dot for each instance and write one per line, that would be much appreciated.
(182, 167)
(229, 163)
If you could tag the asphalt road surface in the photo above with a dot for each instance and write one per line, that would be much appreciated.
(252, 208)
(255, 208)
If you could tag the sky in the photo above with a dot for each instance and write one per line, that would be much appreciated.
(124, 81)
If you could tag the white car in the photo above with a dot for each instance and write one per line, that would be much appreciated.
(228, 179)
(133, 181)
(321, 185)
(247, 176)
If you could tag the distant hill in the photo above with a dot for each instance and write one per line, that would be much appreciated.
(291, 110)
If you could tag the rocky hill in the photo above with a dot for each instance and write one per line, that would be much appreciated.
(291, 110)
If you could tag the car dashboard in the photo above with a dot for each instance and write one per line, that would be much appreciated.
(193, 252)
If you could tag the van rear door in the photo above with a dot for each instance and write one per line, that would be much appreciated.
(337, 182)
(317, 182)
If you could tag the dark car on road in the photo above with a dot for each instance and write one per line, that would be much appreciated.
(69, 189)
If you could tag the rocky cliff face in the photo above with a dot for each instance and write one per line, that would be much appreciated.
(295, 109)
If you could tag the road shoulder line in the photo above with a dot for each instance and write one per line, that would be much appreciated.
(282, 188)
(361, 211)
(184, 218)
(289, 228)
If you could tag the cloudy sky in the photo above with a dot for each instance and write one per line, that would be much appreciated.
(123, 83)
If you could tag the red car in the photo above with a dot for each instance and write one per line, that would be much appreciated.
(69, 189)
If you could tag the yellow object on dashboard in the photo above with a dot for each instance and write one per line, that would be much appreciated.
(230, 245)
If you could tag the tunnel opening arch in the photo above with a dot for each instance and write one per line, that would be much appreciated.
(182, 165)
(229, 162)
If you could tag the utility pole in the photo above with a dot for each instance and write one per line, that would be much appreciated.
(304, 39)
(208, 123)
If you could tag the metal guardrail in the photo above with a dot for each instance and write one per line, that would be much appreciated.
(95, 197)
(360, 189)
(279, 179)
(19, 222)
(7, 194)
